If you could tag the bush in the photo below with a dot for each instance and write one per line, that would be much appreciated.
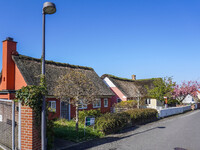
(82, 114)
(131, 104)
(172, 102)
(112, 122)
(142, 115)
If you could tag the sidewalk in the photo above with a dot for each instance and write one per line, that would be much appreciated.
(60, 144)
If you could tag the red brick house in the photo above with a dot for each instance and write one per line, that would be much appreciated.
(19, 71)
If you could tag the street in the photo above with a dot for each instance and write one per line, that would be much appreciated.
(179, 132)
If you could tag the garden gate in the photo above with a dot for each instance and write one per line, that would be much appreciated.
(10, 114)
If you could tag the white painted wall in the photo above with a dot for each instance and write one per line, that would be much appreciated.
(154, 103)
(198, 95)
(188, 100)
(172, 111)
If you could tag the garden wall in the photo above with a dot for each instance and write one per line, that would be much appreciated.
(173, 111)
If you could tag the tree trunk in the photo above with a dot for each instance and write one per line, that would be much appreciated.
(138, 103)
(77, 114)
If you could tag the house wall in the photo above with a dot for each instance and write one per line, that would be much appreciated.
(153, 103)
(90, 106)
(188, 99)
(198, 95)
(19, 80)
(53, 115)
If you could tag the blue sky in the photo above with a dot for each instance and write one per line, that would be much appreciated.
(149, 38)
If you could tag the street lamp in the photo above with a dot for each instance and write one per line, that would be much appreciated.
(48, 8)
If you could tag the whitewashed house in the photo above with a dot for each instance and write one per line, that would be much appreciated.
(189, 99)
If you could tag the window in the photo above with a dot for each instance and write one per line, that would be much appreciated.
(52, 106)
(82, 105)
(148, 101)
(97, 103)
(105, 102)
(119, 100)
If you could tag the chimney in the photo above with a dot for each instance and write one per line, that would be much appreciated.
(133, 77)
(8, 65)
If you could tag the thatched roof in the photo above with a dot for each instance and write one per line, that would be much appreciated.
(30, 69)
(131, 88)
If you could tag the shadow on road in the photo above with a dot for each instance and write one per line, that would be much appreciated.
(113, 138)
(178, 148)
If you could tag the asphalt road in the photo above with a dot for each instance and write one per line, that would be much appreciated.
(181, 132)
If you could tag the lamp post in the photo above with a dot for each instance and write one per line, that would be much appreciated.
(48, 8)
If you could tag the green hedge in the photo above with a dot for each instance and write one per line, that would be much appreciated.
(84, 113)
(113, 122)
(130, 104)
(142, 115)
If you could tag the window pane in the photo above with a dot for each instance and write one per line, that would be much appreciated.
(105, 102)
(52, 106)
(97, 103)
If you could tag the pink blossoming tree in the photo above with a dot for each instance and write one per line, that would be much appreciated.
(185, 88)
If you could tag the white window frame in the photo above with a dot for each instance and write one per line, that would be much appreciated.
(105, 99)
(51, 109)
(148, 101)
(96, 103)
(81, 105)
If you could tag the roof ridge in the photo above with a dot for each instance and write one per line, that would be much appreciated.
(126, 79)
(53, 62)
(118, 78)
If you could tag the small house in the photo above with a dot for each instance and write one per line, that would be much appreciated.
(19, 70)
(131, 89)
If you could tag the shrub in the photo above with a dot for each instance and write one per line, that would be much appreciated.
(112, 122)
(82, 114)
(125, 105)
(172, 102)
(142, 115)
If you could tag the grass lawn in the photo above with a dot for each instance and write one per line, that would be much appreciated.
(66, 130)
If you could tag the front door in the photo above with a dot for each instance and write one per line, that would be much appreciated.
(65, 110)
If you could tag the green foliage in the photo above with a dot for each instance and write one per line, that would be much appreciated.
(66, 130)
(125, 79)
(84, 113)
(126, 104)
(162, 87)
(142, 115)
(32, 96)
(172, 102)
(50, 134)
(113, 122)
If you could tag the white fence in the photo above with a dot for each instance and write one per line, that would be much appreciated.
(172, 111)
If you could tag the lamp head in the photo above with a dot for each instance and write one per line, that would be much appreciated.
(49, 8)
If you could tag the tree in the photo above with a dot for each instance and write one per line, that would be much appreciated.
(163, 87)
(78, 87)
(185, 88)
